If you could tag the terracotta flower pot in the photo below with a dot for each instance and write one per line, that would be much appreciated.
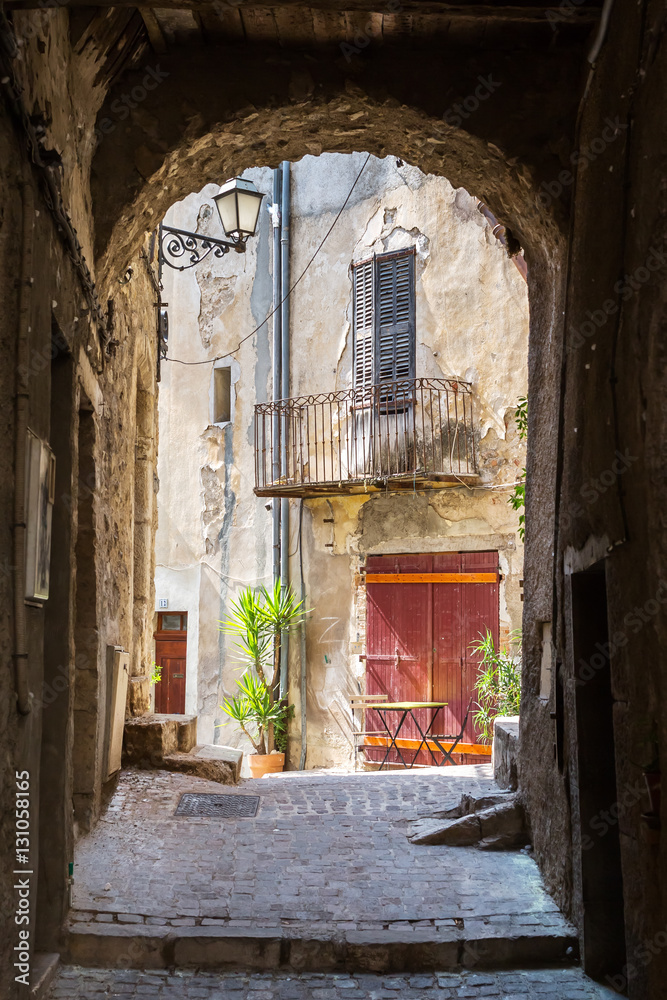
(266, 763)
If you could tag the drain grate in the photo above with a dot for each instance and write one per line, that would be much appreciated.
(220, 806)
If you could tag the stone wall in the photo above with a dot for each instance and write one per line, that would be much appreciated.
(82, 377)
(506, 751)
(214, 535)
(608, 429)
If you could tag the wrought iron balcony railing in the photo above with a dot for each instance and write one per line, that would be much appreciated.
(412, 433)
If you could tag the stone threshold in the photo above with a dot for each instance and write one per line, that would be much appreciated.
(401, 946)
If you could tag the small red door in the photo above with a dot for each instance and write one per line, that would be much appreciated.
(418, 637)
(170, 655)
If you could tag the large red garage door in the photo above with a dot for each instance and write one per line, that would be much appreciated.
(419, 630)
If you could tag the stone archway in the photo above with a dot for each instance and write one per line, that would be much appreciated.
(189, 130)
(199, 115)
(170, 129)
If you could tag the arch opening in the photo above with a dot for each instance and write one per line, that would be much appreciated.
(375, 475)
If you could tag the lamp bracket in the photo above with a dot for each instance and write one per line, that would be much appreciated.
(178, 244)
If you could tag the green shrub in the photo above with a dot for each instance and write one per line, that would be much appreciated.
(498, 684)
(280, 727)
(517, 499)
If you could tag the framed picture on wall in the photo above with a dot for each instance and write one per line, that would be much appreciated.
(40, 488)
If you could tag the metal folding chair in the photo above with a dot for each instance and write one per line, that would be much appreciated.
(360, 701)
(456, 738)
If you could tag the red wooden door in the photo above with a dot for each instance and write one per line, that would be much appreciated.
(418, 638)
(399, 623)
(170, 655)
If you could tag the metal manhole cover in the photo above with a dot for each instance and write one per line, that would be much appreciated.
(220, 806)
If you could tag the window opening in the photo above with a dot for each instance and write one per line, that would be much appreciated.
(172, 622)
(222, 395)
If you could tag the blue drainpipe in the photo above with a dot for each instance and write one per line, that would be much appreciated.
(277, 356)
(285, 382)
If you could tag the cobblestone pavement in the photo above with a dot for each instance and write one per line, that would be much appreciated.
(544, 984)
(322, 848)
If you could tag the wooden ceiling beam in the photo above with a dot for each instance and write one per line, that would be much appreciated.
(491, 10)
(155, 36)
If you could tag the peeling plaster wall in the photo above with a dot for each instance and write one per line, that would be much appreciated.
(212, 530)
(469, 296)
(472, 322)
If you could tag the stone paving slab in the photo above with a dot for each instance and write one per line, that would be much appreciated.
(323, 848)
(75, 983)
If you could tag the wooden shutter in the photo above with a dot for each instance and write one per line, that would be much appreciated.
(395, 317)
(363, 323)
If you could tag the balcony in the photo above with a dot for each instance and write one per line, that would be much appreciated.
(403, 435)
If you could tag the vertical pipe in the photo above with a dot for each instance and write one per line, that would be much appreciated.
(302, 637)
(276, 384)
(442, 444)
(285, 380)
(340, 444)
(20, 438)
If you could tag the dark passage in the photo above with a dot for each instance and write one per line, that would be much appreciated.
(600, 854)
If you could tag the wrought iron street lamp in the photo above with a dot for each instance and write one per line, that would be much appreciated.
(238, 203)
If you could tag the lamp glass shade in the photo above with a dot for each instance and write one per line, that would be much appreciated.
(238, 203)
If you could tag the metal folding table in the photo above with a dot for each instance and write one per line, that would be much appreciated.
(407, 708)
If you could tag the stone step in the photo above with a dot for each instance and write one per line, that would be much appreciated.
(75, 983)
(211, 769)
(169, 742)
(149, 738)
(230, 755)
(44, 969)
(129, 942)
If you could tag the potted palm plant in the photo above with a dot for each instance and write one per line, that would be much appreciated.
(253, 710)
(261, 620)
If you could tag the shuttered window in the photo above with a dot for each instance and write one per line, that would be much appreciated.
(384, 318)
(364, 298)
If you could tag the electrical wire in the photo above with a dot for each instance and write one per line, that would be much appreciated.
(252, 333)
